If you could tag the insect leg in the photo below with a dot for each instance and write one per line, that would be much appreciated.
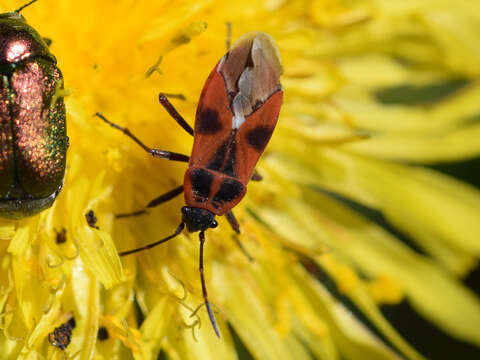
(256, 176)
(233, 222)
(236, 227)
(149, 246)
(24, 6)
(166, 197)
(204, 287)
(131, 214)
(169, 155)
(175, 96)
(157, 201)
(174, 113)
(48, 41)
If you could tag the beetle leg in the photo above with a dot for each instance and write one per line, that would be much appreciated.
(48, 41)
(236, 227)
(163, 154)
(24, 6)
(174, 113)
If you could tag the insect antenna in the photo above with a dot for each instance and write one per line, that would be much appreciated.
(149, 246)
(24, 6)
(204, 286)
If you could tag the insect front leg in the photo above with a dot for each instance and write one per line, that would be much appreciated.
(155, 202)
(48, 41)
(131, 214)
(166, 197)
(163, 154)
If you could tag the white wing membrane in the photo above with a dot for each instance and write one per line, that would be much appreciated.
(251, 72)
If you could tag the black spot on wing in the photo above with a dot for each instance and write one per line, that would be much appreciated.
(228, 191)
(201, 184)
(259, 136)
(208, 122)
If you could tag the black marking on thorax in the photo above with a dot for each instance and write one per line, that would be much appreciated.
(224, 158)
(201, 184)
(228, 191)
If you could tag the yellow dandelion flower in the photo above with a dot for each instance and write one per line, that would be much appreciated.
(376, 92)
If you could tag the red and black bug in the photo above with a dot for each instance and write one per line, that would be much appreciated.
(236, 115)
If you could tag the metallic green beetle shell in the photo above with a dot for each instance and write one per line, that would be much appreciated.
(33, 139)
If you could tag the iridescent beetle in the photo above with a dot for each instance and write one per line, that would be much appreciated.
(236, 115)
(33, 139)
